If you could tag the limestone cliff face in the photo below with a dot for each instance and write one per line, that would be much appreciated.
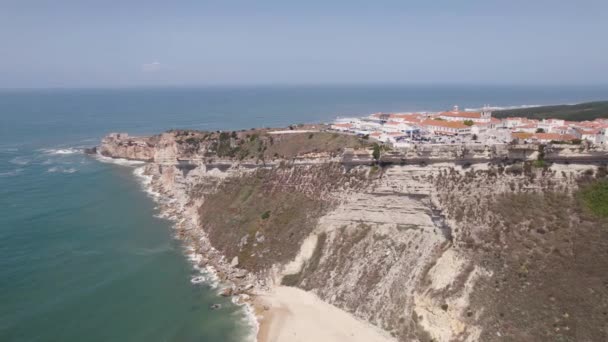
(427, 251)
(121, 145)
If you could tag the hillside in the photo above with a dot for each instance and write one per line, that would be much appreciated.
(577, 112)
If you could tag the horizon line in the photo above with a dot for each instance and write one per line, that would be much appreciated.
(304, 85)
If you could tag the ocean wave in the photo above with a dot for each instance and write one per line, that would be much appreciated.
(250, 319)
(12, 173)
(61, 151)
(118, 161)
(204, 274)
(57, 169)
(146, 183)
(20, 160)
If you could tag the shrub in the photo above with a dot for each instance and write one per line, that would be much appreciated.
(266, 215)
(376, 153)
(539, 164)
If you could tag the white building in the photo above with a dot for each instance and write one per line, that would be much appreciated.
(484, 116)
(446, 127)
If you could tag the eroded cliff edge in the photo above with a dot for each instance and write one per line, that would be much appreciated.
(451, 243)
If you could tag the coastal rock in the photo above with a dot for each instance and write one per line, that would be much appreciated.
(227, 292)
(234, 262)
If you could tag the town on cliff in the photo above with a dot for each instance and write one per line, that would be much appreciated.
(470, 126)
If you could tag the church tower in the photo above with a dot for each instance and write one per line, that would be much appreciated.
(486, 113)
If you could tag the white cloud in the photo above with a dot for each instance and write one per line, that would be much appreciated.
(151, 67)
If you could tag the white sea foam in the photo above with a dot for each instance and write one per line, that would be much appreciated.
(250, 320)
(146, 183)
(12, 173)
(20, 160)
(118, 161)
(61, 151)
(57, 169)
(204, 274)
(198, 279)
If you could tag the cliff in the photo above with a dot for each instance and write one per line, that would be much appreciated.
(443, 243)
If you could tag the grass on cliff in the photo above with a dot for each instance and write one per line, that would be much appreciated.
(258, 144)
(547, 252)
(263, 217)
(595, 197)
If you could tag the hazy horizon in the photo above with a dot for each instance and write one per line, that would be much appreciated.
(111, 44)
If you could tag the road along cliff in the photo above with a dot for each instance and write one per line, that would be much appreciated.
(433, 243)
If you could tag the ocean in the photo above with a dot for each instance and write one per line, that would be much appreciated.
(83, 255)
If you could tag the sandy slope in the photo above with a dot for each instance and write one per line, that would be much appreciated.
(296, 315)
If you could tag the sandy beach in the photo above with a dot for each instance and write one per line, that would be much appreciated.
(292, 314)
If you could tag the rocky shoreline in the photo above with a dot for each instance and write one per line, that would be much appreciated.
(174, 205)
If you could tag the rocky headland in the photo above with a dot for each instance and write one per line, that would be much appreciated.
(432, 243)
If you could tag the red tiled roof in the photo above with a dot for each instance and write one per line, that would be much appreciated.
(553, 136)
(469, 115)
(589, 131)
(522, 135)
(445, 124)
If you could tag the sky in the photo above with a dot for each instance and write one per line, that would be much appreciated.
(82, 43)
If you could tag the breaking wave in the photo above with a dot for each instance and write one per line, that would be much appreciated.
(69, 150)
(20, 160)
(118, 161)
(57, 169)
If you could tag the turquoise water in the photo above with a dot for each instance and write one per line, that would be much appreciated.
(82, 256)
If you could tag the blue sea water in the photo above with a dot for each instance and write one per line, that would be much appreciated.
(82, 256)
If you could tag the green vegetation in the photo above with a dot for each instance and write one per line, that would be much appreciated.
(468, 122)
(595, 197)
(257, 144)
(546, 251)
(539, 164)
(376, 152)
(540, 130)
(577, 112)
(262, 219)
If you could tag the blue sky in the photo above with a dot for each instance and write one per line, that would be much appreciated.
(164, 43)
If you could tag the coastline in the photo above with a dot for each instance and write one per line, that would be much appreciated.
(273, 313)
